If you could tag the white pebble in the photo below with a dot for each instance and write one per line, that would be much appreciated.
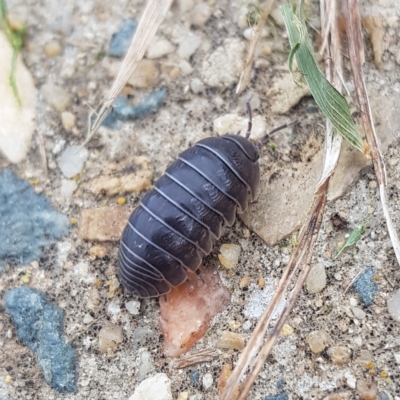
(316, 279)
(87, 319)
(350, 380)
(247, 325)
(145, 365)
(207, 381)
(200, 14)
(353, 301)
(229, 255)
(113, 308)
(196, 85)
(68, 187)
(58, 146)
(133, 307)
(68, 120)
(159, 47)
(185, 67)
(72, 160)
(188, 46)
(158, 387)
(394, 306)
(358, 313)
(56, 97)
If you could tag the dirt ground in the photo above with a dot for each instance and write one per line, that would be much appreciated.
(84, 30)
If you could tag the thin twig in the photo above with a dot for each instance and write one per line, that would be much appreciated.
(351, 9)
(302, 255)
(255, 36)
(152, 17)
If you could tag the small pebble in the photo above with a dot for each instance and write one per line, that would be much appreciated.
(247, 325)
(159, 47)
(145, 365)
(200, 14)
(358, 313)
(185, 67)
(68, 187)
(133, 307)
(195, 376)
(56, 97)
(316, 279)
(157, 387)
(350, 380)
(339, 354)
(231, 340)
(196, 85)
(68, 120)
(207, 381)
(229, 255)
(102, 224)
(318, 341)
(110, 337)
(98, 251)
(287, 330)
(121, 40)
(367, 388)
(87, 319)
(353, 301)
(52, 48)
(261, 282)
(366, 287)
(183, 396)
(394, 306)
(244, 282)
(93, 299)
(188, 46)
(72, 160)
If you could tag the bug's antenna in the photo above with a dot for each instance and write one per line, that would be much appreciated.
(250, 116)
(279, 128)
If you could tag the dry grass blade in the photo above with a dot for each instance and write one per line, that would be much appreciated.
(152, 17)
(351, 9)
(302, 255)
(256, 33)
(201, 356)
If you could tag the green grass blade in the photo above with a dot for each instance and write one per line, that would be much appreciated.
(330, 101)
(352, 240)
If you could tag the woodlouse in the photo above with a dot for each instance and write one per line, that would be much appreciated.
(177, 221)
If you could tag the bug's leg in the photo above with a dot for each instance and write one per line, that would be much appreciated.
(165, 298)
(279, 128)
(250, 117)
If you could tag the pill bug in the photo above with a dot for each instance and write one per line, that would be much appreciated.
(176, 223)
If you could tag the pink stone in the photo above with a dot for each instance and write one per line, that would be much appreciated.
(186, 312)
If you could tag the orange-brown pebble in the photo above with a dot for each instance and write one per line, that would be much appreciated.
(261, 282)
(74, 221)
(384, 374)
(231, 340)
(244, 282)
(226, 372)
(369, 365)
(97, 282)
(121, 200)
(98, 251)
(367, 388)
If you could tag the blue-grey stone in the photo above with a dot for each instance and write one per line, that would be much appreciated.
(195, 376)
(383, 396)
(39, 325)
(366, 287)
(121, 40)
(280, 384)
(123, 110)
(28, 222)
(279, 396)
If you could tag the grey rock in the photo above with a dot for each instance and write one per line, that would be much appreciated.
(121, 40)
(24, 234)
(39, 325)
(366, 287)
